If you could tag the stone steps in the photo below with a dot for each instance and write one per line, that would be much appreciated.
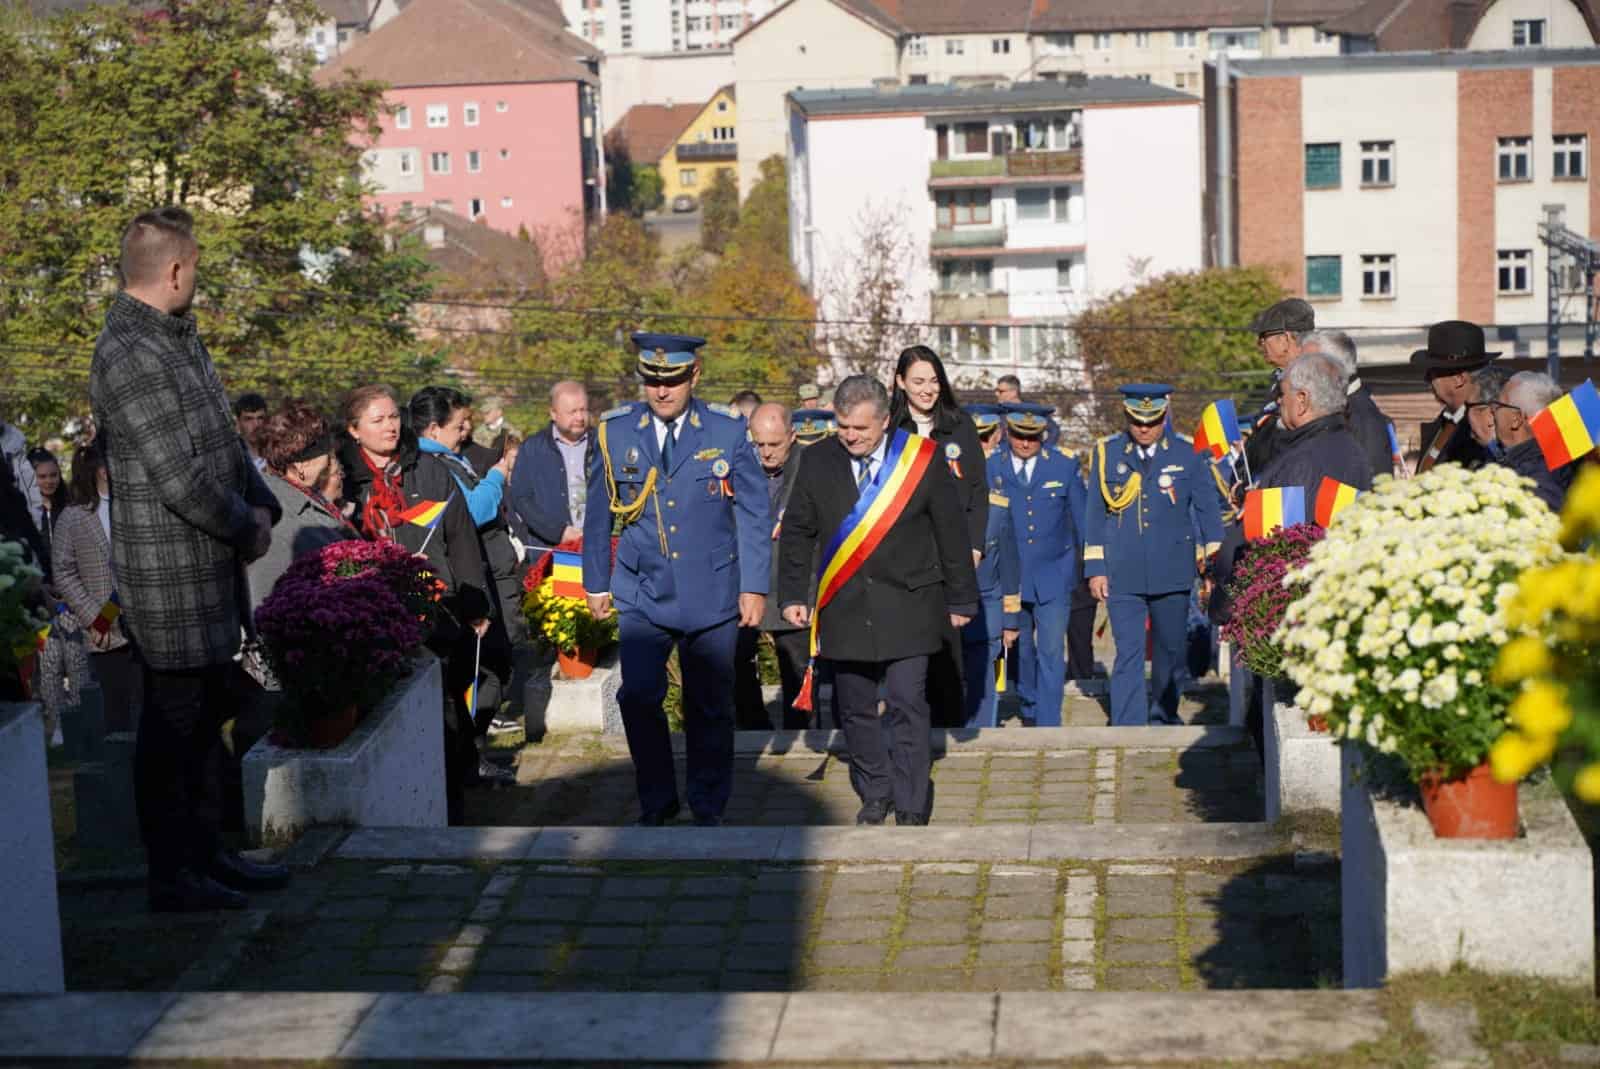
(739, 1029)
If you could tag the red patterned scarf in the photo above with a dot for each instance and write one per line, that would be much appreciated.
(385, 501)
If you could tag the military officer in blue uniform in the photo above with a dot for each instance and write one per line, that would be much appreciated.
(988, 635)
(1046, 499)
(1149, 492)
(811, 425)
(693, 563)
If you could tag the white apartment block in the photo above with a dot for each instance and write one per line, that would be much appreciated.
(621, 26)
(1022, 203)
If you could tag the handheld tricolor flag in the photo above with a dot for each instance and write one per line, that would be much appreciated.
(1569, 427)
(1396, 454)
(108, 615)
(1267, 510)
(424, 514)
(567, 571)
(1218, 430)
(1000, 673)
(1333, 497)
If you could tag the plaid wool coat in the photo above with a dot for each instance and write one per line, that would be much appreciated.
(182, 485)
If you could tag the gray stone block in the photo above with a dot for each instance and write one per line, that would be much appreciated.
(437, 844)
(1110, 842)
(54, 1026)
(30, 918)
(856, 1028)
(249, 1026)
(1301, 766)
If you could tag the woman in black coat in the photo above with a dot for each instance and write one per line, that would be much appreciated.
(923, 403)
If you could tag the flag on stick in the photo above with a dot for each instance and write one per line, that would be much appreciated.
(1569, 427)
(1333, 497)
(1267, 510)
(108, 615)
(1218, 430)
(567, 572)
(424, 514)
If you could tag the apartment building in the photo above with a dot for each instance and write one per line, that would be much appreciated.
(491, 114)
(1023, 203)
(1390, 217)
(1483, 25)
(621, 26)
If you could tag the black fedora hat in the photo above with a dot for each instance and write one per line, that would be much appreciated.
(1453, 345)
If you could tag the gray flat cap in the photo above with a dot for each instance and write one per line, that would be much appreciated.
(1291, 314)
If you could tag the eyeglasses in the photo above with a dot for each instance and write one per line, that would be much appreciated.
(1491, 405)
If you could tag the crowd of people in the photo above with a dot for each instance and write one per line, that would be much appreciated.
(906, 558)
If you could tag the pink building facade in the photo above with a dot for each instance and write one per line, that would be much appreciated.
(513, 156)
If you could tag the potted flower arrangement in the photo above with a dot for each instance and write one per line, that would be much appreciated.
(563, 621)
(1555, 716)
(22, 620)
(1266, 578)
(1403, 616)
(339, 629)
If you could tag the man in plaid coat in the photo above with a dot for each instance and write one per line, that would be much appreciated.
(188, 511)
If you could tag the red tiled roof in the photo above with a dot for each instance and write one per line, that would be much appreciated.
(1088, 15)
(649, 131)
(1428, 25)
(472, 255)
(467, 42)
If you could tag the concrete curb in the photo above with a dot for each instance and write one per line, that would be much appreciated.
(813, 744)
(654, 1028)
(1006, 842)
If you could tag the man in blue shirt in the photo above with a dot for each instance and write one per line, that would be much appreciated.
(550, 482)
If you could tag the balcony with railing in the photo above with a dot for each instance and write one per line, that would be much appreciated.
(708, 151)
(955, 241)
(970, 307)
(1059, 163)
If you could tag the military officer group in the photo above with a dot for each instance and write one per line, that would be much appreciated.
(910, 558)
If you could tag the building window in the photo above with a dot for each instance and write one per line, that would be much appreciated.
(1232, 40)
(1186, 80)
(955, 46)
(469, 114)
(501, 105)
(505, 202)
(439, 163)
(406, 162)
(1322, 276)
(445, 205)
(1185, 39)
(730, 22)
(1515, 271)
(722, 105)
(1377, 276)
(1000, 46)
(1141, 39)
(1064, 274)
(1283, 35)
(694, 24)
(1323, 37)
(1571, 150)
(474, 207)
(961, 207)
(627, 35)
(438, 115)
(1141, 77)
(688, 176)
(474, 161)
(965, 276)
(1102, 41)
(1515, 155)
(917, 47)
(1058, 42)
(1322, 166)
(1377, 163)
(722, 133)
(1000, 349)
(1527, 33)
(1033, 205)
(402, 118)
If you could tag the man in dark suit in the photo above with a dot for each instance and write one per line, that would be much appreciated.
(903, 566)
(1455, 350)
(1366, 423)
(549, 485)
(1278, 330)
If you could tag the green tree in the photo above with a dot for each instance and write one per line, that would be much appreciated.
(123, 108)
(764, 219)
(647, 188)
(719, 211)
(1186, 328)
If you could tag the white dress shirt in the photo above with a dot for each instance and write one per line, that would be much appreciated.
(1023, 468)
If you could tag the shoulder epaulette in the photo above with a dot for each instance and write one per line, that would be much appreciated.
(620, 410)
(1064, 451)
(1182, 437)
(999, 500)
(723, 410)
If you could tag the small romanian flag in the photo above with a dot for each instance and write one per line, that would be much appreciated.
(1000, 673)
(1569, 427)
(424, 514)
(1395, 452)
(1267, 510)
(1333, 497)
(470, 698)
(108, 615)
(567, 571)
(1218, 430)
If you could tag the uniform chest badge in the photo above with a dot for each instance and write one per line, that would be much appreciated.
(952, 456)
(1122, 469)
(632, 456)
(1165, 482)
(708, 454)
(720, 468)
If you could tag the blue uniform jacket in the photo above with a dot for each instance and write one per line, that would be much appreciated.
(999, 573)
(539, 485)
(1149, 547)
(1047, 518)
(710, 512)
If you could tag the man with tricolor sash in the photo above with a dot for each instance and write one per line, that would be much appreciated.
(681, 479)
(895, 564)
(1149, 493)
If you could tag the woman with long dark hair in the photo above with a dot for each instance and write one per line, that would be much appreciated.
(52, 491)
(923, 403)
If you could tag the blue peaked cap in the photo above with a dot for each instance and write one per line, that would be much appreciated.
(986, 416)
(1027, 417)
(1145, 401)
(667, 356)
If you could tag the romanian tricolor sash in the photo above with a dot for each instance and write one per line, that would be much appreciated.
(879, 506)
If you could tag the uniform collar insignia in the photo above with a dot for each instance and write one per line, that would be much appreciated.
(644, 419)
(694, 418)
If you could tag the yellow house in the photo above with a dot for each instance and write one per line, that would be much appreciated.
(707, 145)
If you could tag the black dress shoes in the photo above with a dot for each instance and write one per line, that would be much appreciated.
(493, 775)
(656, 818)
(875, 812)
(241, 874)
(910, 820)
(192, 892)
(707, 820)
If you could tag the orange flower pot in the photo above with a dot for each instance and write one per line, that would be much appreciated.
(1473, 806)
(324, 733)
(578, 664)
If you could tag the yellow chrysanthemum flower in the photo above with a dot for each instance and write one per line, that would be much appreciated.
(1587, 785)
(1514, 755)
(1542, 711)
(1522, 658)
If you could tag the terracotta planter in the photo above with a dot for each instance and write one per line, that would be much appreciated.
(577, 665)
(1318, 723)
(324, 733)
(1473, 806)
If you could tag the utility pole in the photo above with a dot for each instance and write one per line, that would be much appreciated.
(1563, 244)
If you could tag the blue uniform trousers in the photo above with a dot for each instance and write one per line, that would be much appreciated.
(706, 658)
(1130, 704)
(978, 653)
(1042, 661)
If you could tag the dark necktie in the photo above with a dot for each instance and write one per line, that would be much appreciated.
(666, 447)
(865, 475)
(1027, 472)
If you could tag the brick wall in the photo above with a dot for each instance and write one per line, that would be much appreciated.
(1576, 110)
(1271, 178)
(1489, 105)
